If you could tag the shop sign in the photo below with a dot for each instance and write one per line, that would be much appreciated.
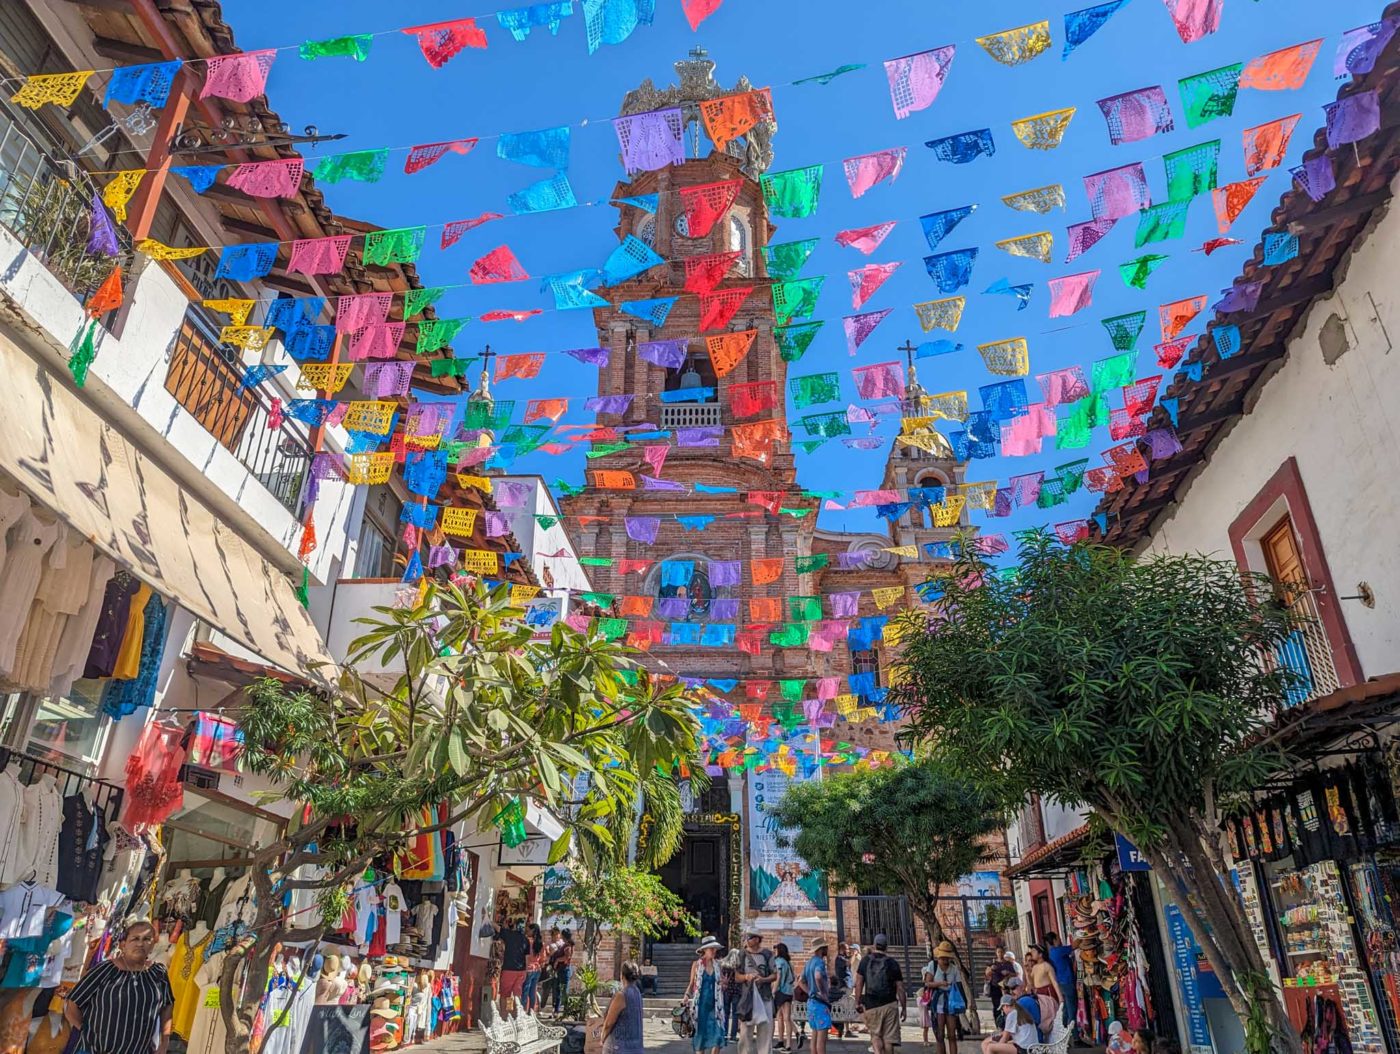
(1186, 953)
(1129, 856)
(533, 852)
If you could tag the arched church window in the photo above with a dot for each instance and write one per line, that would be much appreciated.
(699, 593)
(867, 661)
(738, 233)
(647, 231)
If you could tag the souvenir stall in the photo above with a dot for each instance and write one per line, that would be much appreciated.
(1320, 855)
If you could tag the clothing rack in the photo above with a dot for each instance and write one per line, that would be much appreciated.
(106, 796)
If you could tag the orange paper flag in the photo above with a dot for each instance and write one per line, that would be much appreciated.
(730, 116)
(108, 296)
(1283, 70)
(613, 479)
(766, 609)
(728, 350)
(635, 606)
(755, 441)
(553, 409)
(1231, 199)
(764, 571)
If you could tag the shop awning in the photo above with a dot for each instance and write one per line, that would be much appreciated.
(1311, 729)
(1058, 854)
(101, 485)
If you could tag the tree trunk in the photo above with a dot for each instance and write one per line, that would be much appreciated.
(928, 915)
(1194, 865)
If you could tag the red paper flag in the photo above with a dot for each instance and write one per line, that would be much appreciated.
(749, 400)
(696, 11)
(420, 157)
(703, 273)
(551, 409)
(716, 309)
(524, 366)
(108, 296)
(499, 265)
(702, 205)
(441, 40)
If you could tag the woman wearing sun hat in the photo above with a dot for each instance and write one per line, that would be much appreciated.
(706, 998)
(945, 979)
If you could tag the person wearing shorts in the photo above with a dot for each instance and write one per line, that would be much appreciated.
(817, 981)
(880, 997)
(514, 953)
(1019, 1032)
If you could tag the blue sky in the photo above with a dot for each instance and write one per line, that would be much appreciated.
(396, 99)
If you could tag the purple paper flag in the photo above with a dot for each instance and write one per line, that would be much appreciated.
(442, 556)
(651, 140)
(497, 524)
(591, 356)
(1360, 47)
(608, 404)
(1352, 118)
(865, 171)
(385, 379)
(724, 609)
(915, 80)
(1316, 176)
(863, 442)
(724, 572)
(1084, 236)
(102, 236)
(853, 561)
(845, 605)
(671, 608)
(1136, 115)
(667, 353)
(511, 494)
(859, 327)
(1117, 192)
(653, 483)
(1162, 442)
(707, 435)
(1243, 296)
(642, 528)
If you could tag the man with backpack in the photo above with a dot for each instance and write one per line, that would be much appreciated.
(879, 987)
(756, 973)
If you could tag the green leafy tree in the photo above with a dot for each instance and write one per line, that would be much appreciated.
(480, 716)
(626, 900)
(1134, 687)
(913, 829)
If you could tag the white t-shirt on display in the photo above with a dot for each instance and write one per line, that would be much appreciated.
(393, 913)
(23, 907)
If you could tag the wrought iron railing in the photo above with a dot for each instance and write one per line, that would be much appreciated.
(205, 377)
(1307, 652)
(47, 203)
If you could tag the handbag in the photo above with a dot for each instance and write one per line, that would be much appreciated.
(957, 1002)
(683, 1021)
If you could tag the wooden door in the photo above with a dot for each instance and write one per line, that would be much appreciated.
(1282, 555)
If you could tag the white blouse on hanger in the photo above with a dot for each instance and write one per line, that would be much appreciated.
(75, 641)
(19, 580)
(62, 590)
(11, 809)
(12, 507)
(38, 832)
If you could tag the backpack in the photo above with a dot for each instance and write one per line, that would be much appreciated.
(879, 978)
(1030, 1006)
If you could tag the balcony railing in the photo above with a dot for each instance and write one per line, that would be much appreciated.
(47, 203)
(1307, 652)
(690, 415)
(205, 378)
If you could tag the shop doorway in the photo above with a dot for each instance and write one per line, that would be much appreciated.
(699, 875)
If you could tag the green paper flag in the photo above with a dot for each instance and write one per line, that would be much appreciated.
(813, 388)
(807, 564)
(510, 821)
(1124, 330)
(793, 193)
(810, 446)
(1206, 96)
(483, 414)
(1113, 372)
(828, 425)
(1161, 222)
(792, 635)
(1136, 272)
(793, 341)
(786, 259)
(438, 333)
(524, 438)
(1074, 431)
(595, 561)
(545, 522)
(415, 300)
(826, 78)
(82, 352)
(573, 490)
(1192, 171)
(352, 47)
(796, 299)
(451, 367)
(1071, 474)
(797, 514)
(612, 628)
(401, 245)
(805, 609)
(363, 166)
(792, 689)
(604, 449)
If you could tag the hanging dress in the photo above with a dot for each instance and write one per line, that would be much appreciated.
(76, 638)
(30, 542)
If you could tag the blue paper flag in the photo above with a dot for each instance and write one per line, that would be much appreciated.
(200, 177)
(310, 343)
(546, 148)
(1227, 340)
(689, 395)
(628, 260)
(243, 263)
(1022, 293)
(520, 21)
(951, 271)
(645, 202)
(1005, 399)
(571, 291)
(964, 146)
(1280, 247)
(612, 21)
(258, 372)
(287, 313)
(149, 83)
(937, 225)
(929, 348)
(652, 311)
(1083, 24)
(544, 196)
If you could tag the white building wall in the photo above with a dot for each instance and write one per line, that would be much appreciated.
(1342, 424)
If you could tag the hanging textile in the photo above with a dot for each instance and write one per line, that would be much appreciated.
(521, 20)
(437, 334)
(867, 170)
(938, 225)
(666, 353)
(651, 141)
(941, 314)
(240, 77)
(881, 380)
(313, 256)
(102, 234)
(120, 190)
(796, 299)
(696, 11)
(654, 311)
(1082, 24)
(570, 290)
(1206, 96)
(268, 179)
(1136, 115)
(703, 204)
(915, 80)
(243, 263)
(1118, 192)
(1316, 176)
(1192, 171)
(794, 193)
(149, 83)
(1352, 118)
(154, 790)
(1266, 145)
(1043, 131)
(544, 148)
(1067, 385)
(1359, 48)
(61, 89)
(716, 309)
(1179, 314)
(453, 231)
(441, 41)
(1012, 47)
(1041, 199)
(963, 147)
(750, 400)
(731, 116)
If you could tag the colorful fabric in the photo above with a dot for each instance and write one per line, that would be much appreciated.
(941, 314)
(1022, 293)
(631, 258)
(1071, 293)
(1192, 171)
(1036, 246)
(1136, 272)
(1136, 115)
(519, 21)
(355, 47)
(61, 89)
(544, 148)
(149, 83)
(1123, 330)
(730, 116)
(1316, 176)
(667, 353)
(1359, 48)
(796, 299)
(402, 245)
(240, 77)
(728, 350)
(703, 204)
(1067, 385)
(916, 80)
(425, 154)
(1353, 118)
(938, 225)
(951, 271)
(1284, 70)
(268, 179)
(243, 263)
(793, 341)
(881, 380)
(717, 309)
(452, 232)
(1179, 314)
(1012, 47)
(1206, 96)
(1231, 199)
(704, 273)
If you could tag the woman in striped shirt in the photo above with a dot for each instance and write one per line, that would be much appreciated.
(124, 1005)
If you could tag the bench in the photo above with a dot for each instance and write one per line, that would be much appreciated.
(1058, 1042)
(843, 1011)
(521, 1034)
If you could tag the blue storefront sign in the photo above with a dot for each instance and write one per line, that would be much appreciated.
(1129, 858)
(1185, 954)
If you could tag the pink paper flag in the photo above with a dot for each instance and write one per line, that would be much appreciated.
(357, 312)
(865, 171)
(866, 239)
(1023, 433)
(452, 232)
(1118, 192)
(241, 77)
(312, 256)
(377, 341)
(268, 179)
(1063, 386)
(915, 80)
(1084, 236)
(420, 157)
(865, 280)
(883, 380)
(655, 455)
(696, 11)
(499, 265)
(1071, 293)
(441, 40)
(1195, 19)
(859, 327)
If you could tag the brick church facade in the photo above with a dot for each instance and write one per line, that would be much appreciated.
(766, 517)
